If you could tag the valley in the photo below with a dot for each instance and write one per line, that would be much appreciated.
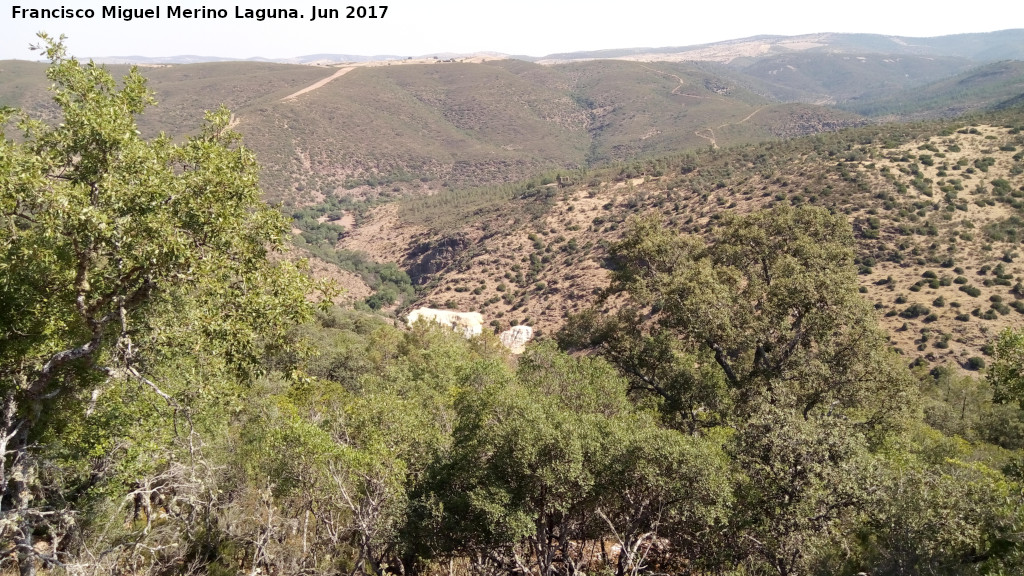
(744, 308)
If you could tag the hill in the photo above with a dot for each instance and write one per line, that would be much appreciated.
(414, 128)
(977, 47)
(990, 86)
(938, 211)
(376, 131)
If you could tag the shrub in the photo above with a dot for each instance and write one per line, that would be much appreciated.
(970, 291)
(915, 310)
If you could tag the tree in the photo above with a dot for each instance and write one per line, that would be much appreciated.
(1007, 372)
(766, 310)
(117, 254)
(758, 333)
(546, 467)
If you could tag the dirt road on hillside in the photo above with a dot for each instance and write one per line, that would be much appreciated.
(341, 72)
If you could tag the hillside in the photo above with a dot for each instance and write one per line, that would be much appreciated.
(504, 120)
(937, 210)
(493, 184)
(390, 129)
(991, 86)
(417, 127)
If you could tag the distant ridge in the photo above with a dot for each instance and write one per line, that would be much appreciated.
(979, 47)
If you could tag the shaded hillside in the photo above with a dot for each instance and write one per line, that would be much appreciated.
(992, 86)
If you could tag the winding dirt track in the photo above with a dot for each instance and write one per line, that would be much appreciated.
(341, 72)
(709, 130)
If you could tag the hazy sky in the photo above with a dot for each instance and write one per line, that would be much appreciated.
(530, 27)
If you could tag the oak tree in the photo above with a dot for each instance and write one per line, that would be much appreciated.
(117, 253)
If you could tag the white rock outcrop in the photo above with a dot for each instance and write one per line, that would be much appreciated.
(468, 324)
(516, 337)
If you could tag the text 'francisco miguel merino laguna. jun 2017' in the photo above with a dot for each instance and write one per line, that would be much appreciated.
(202, 13)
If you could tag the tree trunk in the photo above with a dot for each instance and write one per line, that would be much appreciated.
(21, 498)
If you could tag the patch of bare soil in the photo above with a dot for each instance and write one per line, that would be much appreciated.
(382, 235)
(353, 289)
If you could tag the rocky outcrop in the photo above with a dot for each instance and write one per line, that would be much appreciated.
(468, 324)
(516, 337)
(429, 258)
(471, 324)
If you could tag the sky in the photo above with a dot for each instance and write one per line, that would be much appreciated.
(524, 27)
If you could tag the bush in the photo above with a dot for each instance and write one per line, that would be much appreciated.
(975, 363)
(915, 310)
(970, 291)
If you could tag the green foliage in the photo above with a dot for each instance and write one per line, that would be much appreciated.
(118, 258)
(560, 456)
(1007, 371)
(933, 512)
(772, 298)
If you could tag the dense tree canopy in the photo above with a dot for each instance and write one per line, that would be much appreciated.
(758, 328)
(1008, 370)
(118, 255)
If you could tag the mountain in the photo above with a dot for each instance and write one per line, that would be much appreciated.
(990, 86)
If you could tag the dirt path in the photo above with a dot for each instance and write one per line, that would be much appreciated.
(714, 144)
(749, 116)
(675, 91)
(711, 131)
(320, 84)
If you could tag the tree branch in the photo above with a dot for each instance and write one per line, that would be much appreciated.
(724, 363)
